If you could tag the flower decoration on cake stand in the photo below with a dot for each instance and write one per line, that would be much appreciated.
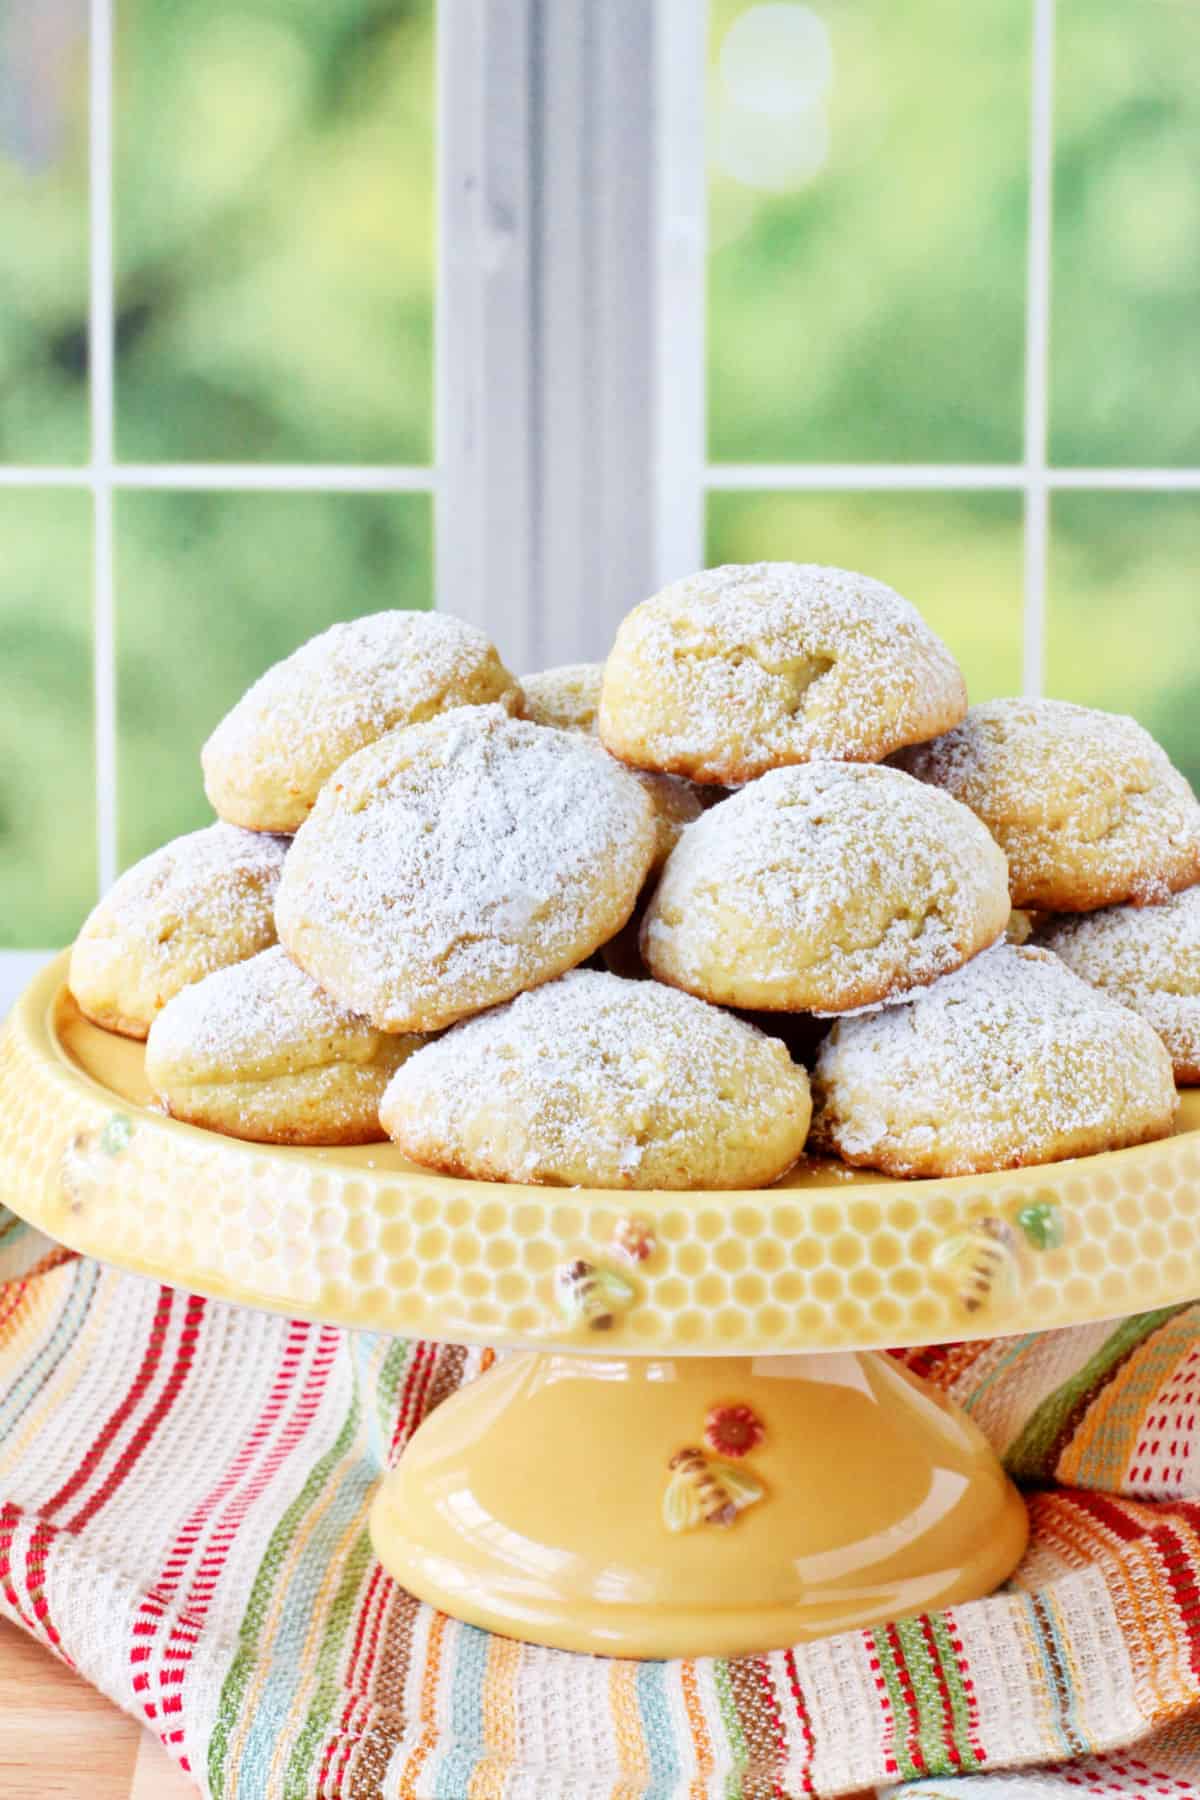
(634, 1238)
(733, 1430)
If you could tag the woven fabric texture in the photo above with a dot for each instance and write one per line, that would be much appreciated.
(184, 1490)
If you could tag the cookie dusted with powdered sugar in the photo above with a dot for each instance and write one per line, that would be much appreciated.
(268, 759)
(1087, 806)
(600, 1082)
(825, 888)
(260, 1052)
(1148, 957)
(455, 863)
(569, 698)
(1010, 1061)
(201, 902)
(747, 668)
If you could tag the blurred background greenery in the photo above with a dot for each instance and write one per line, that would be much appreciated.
(869, 198)
(274, 196)
(274, 199)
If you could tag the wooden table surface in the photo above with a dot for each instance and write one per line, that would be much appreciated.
(61, 1740)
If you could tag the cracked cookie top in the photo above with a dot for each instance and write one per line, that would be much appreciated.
(265, 763)
(825, 889)
(1087, 806)
(747, 668)
(454, 863)
(604, 1082)
(1148, 957)
(197, 904)
(1009, 1062)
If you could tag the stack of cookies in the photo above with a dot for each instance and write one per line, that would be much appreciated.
(589, 928)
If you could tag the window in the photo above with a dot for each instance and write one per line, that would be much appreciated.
(311, 309)
(954, 316)
(217, 356)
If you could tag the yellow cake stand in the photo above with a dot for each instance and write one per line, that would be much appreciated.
(697, 1448)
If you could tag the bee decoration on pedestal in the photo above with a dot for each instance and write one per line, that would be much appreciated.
(703, 1491)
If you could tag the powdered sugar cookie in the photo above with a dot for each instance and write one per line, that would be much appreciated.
(259, 1051)
(1009, 1061)
(268, 759)
(1148, 957)
(606, 1083)
(569, 697)
(199, 903)
(456, 862)
(825, 888)
(747, 668)
(1087, 806)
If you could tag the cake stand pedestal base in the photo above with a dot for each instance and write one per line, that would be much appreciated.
(549, 1501)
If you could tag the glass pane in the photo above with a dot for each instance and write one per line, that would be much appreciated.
(211, 589)
(1124, 622)
(47, 781)
(957, 557)
(1126, 277)
(868, 199)
(44, 243)
(275, 231)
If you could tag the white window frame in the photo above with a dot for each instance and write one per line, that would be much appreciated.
(570, 474)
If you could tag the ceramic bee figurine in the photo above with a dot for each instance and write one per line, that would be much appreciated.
(591, 1295)
(982, 1264)
(702, 1491)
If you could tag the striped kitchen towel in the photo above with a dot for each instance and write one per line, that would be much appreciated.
(184, 1490)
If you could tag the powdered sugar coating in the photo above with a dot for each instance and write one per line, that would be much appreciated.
(1087, 806)
(569, 697)
(825, 888)
(1148, 957)
(262, 1017)
(197, 904)
(456, 862)
(591, 1080)
(746, 668)
(1011, 1060)
(260, 1051)
(269, 757)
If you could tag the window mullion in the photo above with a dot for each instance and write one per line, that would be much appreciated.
(551, 448)
(680, 374)
(484, 385)
(1037, 345)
